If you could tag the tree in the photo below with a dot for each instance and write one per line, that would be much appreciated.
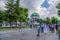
(44, 21)
(59, 12)
(21, 13)
(58, 7)
(2, 17)
(10, 11)
(58, 21)
(40, 21)
(16, 13)
(48, 21)
(54, 20)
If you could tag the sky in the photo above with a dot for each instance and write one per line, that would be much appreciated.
(45, 8)
(45, 4)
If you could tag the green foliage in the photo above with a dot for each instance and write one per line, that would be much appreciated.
(21, 13)
(10, 17)
(48, 21)
(59, 12)
(2, 15)
(42, 21)
(54, 20)
(58, 6)
(14, 12)
(58, 21)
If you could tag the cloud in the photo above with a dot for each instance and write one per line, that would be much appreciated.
(49, 12)
(52, 9)
(32, 5)
(2, 5)
(35, 6)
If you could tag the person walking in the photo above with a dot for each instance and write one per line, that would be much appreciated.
(38, 30)
(52, 28)
(56, 26)
(42, 27)
(58, 31)
(30, 24)
(45, 29)
(49, 27)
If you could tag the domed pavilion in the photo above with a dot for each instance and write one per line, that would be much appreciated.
(34, 16)
(33, 21)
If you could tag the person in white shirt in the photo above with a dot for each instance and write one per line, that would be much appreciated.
(45, 29)
(38, 30)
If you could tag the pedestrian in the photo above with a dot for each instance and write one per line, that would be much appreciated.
(42, 27)
(52, 28)
(38, 30)
(30, 25)
(58, 31)
(49, 27)
(45, 29)
(56, 26)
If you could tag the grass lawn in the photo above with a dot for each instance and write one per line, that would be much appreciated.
(15, 28)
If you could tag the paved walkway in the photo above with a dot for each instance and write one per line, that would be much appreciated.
(26, 34)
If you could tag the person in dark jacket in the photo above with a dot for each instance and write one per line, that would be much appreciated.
(56, 26)
(42, 27)
(52, 28)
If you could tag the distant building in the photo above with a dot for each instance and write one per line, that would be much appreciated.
(34, 17)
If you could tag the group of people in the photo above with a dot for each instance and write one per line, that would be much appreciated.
(45, 28)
